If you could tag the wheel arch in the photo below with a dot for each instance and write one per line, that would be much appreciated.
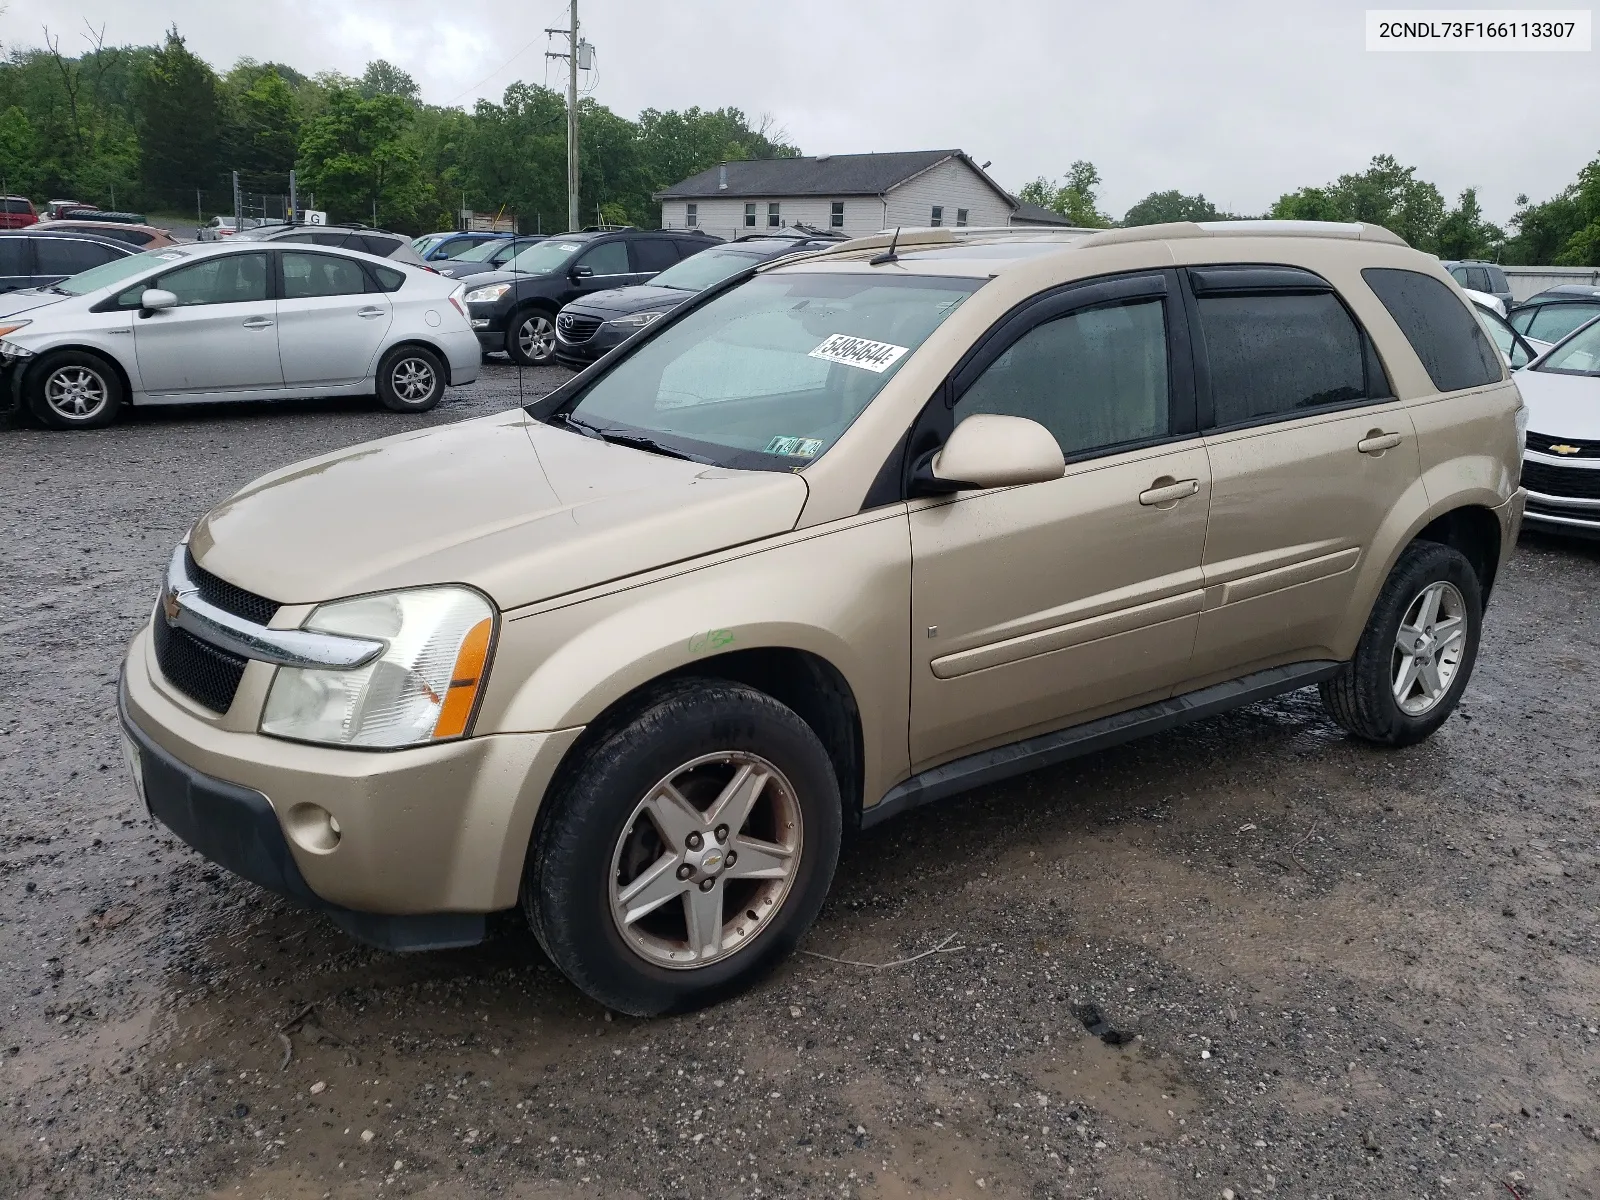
(419, 343)
(1474, 530)
(44, 356)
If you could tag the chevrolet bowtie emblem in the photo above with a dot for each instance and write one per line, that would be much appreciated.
(1563, 448)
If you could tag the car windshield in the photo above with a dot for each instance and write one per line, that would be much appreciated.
(116, 271)
(482, 252)
(1578, 355)
(696, 273)
(427, 242)
(767, 376)
(544, 258)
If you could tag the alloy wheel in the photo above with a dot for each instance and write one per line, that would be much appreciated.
(536, 337)
(413, 380)
(706, 860)
(1428, 648)
(76, 393)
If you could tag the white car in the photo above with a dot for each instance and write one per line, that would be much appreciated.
(238, 321)
(1516, 348)
(1561, 465)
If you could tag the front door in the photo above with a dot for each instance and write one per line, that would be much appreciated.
(222, 336)
(1034, 607)
(1310, 453)
(601, 267)
(331, 320)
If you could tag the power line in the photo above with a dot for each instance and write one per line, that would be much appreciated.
(474, 87)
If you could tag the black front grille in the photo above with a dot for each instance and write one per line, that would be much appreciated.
(575, 327)
(229, 597)
(1577, 482)
(1571, 447)
(203, 673)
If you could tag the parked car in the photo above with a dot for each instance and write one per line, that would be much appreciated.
(55, 208)
(1556, 312)
(16, 212)
(219, 228)
(484, 257)
(89, 211)
(515, 309)
(42, 255)
(347, 237)
(435, 246)
(1479, 276)
(1518, 351)
(589, 328)
(239, 321)
(143, 237)
(1561, 467)
(852, 534)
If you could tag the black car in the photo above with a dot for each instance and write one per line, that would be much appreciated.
(484, 257)
(1556, 312)
(39, 257)
(586, 329)
(515, 308)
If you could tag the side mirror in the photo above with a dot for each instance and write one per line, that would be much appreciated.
(582, 272)
(989, 451)
(155, 299)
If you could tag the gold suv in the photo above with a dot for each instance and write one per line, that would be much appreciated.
(848, 533)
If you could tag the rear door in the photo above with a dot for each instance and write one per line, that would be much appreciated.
(1038, 606)
(58, 258)
(651, 256)
(221, 337)
(1310, 451)
(16, 263)
(331, 319)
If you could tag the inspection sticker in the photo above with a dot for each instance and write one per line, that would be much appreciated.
(795, 447)
(858, 352)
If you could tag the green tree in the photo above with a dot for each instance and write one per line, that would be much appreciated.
(1384, 194)
(1160, 207)
(383, 78)
(1583, 246)
(1465, 234)
(179, 120)
(1074, 198)
(358, 160)
(676, 145)
(19, 153)
(264, 133)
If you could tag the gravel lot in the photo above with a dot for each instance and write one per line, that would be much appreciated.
(1342, 973)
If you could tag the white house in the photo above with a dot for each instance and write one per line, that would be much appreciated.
(856, 193)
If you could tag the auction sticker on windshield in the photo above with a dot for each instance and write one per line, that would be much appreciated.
(795, 447)
(858, 352)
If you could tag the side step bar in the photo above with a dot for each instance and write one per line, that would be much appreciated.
(1046, 750)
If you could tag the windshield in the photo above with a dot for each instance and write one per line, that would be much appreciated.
(482, 252)
(700, 271)
(544, 258)
(427, 242)
(767, 376)
(1579, 355)
(116, 271)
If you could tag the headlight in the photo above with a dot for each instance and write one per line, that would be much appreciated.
(488, 294)
(423, 687)
(1522, 427)
(635, 320)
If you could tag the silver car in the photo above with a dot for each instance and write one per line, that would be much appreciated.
(237, 321)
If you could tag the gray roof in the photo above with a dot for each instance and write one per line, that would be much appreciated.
(1032, 214)
(824, 175)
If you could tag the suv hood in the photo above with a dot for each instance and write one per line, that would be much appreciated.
(1561, 406)
(617, 301)
(508, 504)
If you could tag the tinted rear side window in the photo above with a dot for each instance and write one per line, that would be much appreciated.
(653, 254)
(1447, 338)
(16, 206)
(1281, 355)
(376, 243)
(14, 256)
(1497, 280)
(63, 256)
(388, 278)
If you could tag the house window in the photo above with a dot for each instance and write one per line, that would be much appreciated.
(774, 221)
(749, 216)
(836, 215)
(961, 216)
(938, 215)
(691, 215)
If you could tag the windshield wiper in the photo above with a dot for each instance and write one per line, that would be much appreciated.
(637, 441)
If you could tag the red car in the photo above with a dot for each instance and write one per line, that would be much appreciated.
(16, 212)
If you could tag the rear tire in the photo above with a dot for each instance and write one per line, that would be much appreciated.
(410, 379)
(73, 390)
(531, 338)
(686, 850)
(1416, 653)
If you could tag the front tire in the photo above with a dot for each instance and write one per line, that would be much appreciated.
(531, 338)
(1416, 653)
(410, 379)
(73, 390)
(686, 850)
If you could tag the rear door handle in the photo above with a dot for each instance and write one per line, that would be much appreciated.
(1376, 442)
(259, 323)
(369, 312)
(1170, 492)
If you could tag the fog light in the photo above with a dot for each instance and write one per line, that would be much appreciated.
(312, 828)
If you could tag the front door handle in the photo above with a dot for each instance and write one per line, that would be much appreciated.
(369, 312)
(1377, 441)
(259, 323)
(1167, 490)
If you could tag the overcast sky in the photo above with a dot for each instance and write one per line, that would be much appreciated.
(1240, 101)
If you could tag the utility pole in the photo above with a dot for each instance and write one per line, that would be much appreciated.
(293, 207)
(578, 54)
(238, 205)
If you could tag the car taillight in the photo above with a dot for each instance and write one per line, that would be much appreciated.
(455, 298)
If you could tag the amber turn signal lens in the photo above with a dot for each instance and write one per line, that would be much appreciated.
(464, 682)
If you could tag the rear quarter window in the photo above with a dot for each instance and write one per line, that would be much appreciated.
(389, 280)
(1447, 338)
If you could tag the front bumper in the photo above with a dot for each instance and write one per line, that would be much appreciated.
(426, 833)
(579, 355)
(488, 322)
